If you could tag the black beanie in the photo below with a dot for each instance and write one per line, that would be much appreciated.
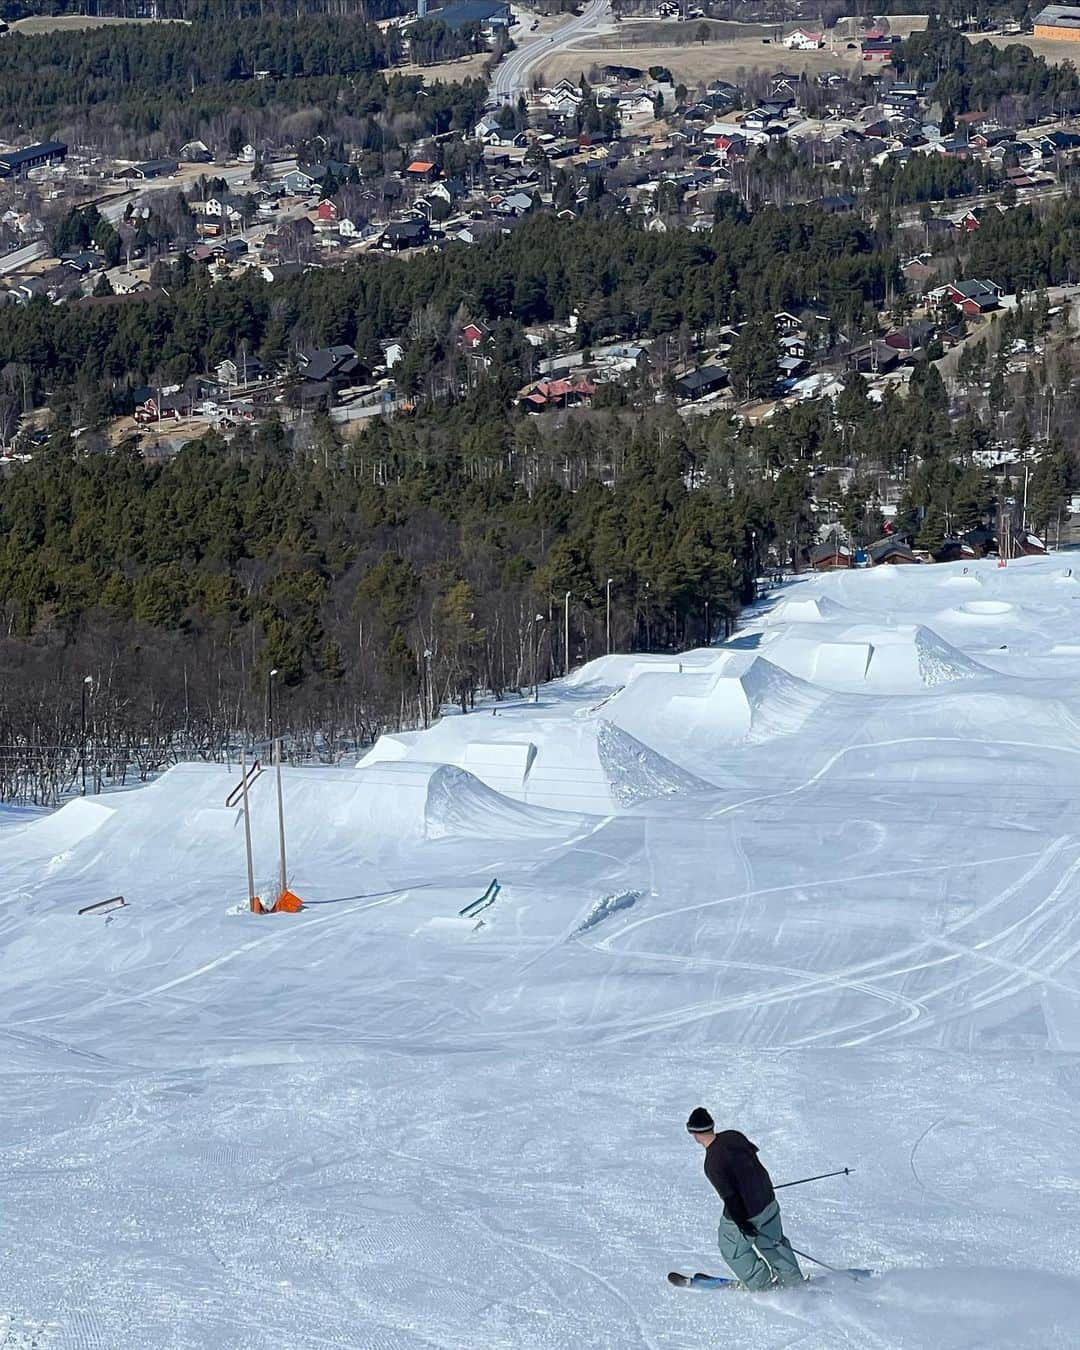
(700, 1121)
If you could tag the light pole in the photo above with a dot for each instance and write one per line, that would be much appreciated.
(270, 674)
(427, 686)
(708, 626)
(608, 620)
(536, 656)
(566, 634)
(87, 687)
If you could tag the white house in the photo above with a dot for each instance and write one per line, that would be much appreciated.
(802, 41)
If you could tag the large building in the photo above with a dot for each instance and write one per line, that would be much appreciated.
(486, 14)
(17, 162)
(1061, 22)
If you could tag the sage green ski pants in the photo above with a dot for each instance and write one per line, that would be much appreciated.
(773, 1261)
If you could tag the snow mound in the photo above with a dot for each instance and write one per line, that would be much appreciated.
(809, 610)
(603, 909)
(749, 698)
(457, 803)
(637, 773)
(864, 657)
(939, 662)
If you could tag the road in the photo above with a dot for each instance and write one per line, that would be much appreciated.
(237, 178)
(513, 75)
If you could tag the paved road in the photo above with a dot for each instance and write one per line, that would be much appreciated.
(238, 179)
(513, 75)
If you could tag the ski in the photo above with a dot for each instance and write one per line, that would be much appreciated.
(700, 1281)
(703, 1281)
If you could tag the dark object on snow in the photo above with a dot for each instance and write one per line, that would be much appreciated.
(103, 906)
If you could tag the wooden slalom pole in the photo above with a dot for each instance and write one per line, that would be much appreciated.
(283, 882)
(254, 903)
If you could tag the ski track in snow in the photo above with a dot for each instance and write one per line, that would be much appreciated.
(825, 880)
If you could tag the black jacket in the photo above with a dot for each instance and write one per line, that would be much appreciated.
(731, 1164)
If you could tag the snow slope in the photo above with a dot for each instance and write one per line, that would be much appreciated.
(824, 880)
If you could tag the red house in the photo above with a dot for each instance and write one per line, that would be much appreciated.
(422, 170)
(326, 211)
(473, 334)
(977, 296)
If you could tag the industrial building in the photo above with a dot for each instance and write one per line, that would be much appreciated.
(17, 162)
(1059, 22)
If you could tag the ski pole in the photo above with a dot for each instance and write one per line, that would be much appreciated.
(835, 1270)
(844, 1171)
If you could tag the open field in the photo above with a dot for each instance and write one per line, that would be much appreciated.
(1054, 52)
(732, 48)
(72, 23)
(453, 72)
(693, 63)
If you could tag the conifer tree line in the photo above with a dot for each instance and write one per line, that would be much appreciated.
(112, 86)
(428, 560)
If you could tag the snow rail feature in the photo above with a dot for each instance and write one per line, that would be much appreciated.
(103, 906)
(254, 771)
(482, 902)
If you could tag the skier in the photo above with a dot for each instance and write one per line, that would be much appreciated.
(750, 1235)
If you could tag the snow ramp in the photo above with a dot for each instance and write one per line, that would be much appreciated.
(748, 699)
(458, 803)
(906, 658)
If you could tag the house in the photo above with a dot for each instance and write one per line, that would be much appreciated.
(422, 171)
(516, 204)
(87, 261)
(876, 358)
(299, 183)
(392, 351)
(802, 41)
(1026, 544)
(230, 250)
(559, 393)
(195, 152)
(977, 296)
(473, 334)
(912, 337)
(242, 369)
(401, 234)
(918, 272)
(829, 557)
(326, 213)
(17, 163)
(890, 552)
(697, 383)
(954, 550)
(226, 207)
(487, 126)
(328, 365)
(150, 168)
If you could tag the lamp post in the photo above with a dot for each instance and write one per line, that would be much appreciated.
(270, 674)
(536, 656)
(608, 619)
(708, 626)
(427, 686)
(87, 687)
(566, 634)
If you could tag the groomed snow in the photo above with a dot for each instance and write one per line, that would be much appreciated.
(824, 880)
